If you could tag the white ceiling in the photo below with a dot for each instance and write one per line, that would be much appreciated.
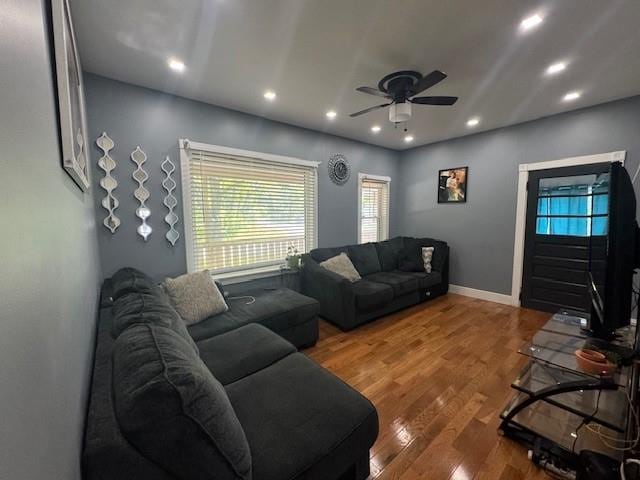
(314, 53)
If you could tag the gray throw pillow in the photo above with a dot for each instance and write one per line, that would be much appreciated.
(195, 296)
(341, 265)
(172, 409)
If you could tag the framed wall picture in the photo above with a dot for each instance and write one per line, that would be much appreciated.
(71, 108)
(452, 185)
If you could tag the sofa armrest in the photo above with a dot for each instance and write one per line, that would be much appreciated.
(333, 291)
(444, 271)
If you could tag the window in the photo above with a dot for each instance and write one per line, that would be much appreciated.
(573, 206)
(244, 209)
(373, 207)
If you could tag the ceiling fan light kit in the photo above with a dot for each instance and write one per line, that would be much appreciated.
(402, 88)
(400, 112)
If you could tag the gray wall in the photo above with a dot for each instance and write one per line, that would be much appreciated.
(134, 115)
(481, 232)
(49, 270)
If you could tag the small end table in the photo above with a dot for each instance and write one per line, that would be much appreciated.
(289, 278)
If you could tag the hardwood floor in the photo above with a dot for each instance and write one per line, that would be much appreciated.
(439, 375)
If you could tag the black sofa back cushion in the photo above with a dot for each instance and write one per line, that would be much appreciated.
(322, 254)
(130, 280)
(365, 258)
(410, 260)
(171, 408)
(148, 309)
(389, 253)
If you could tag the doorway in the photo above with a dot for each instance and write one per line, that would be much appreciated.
(525, 172)
(563, 210)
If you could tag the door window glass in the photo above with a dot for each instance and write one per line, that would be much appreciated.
(574, 206)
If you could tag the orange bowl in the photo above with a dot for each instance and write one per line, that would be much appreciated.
(594, 363)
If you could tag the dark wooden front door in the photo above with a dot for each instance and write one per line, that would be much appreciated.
(563, 209)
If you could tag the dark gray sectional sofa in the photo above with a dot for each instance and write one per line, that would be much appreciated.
(225, 403)
(391, 279)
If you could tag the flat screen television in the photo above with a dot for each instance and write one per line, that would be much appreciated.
(612, 251)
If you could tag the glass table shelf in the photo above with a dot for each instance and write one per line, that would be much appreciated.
(561, 427)
(559, 349)
(612, 405)
(569, 322)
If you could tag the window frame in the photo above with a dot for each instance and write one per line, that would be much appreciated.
(379, 178)
(253, 271)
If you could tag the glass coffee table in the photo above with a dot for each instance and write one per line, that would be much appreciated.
(564, 409)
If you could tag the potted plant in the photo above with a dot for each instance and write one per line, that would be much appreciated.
(293, 258)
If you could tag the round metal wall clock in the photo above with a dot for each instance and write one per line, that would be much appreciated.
(339, 169)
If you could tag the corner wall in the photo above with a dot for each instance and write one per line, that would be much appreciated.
(133, 115)
(49, 270)
(481, 231)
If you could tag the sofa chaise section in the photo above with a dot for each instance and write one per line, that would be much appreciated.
(289, 314)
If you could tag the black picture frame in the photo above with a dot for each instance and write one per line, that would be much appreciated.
(453, 185)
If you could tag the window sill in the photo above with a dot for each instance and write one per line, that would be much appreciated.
(231, 278)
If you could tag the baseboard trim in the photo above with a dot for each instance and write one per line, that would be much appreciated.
(481, 294)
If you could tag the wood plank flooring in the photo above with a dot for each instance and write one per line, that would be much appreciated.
(439, 374)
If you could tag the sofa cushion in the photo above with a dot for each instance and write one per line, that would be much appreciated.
(195, 296)
(241, 352)
(401, 282)
(302, 421)
(410, 259)
(364, 258)
(130, 280)
(426, 280)
(171, 408)
(277, 310)
(388, 253)
(149, 309)
(106, 453)
(322, 254)
(370, 295)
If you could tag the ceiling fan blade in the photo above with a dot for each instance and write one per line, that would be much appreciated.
(373, 91)
(370, 109)
(428, 81)
(434, 100)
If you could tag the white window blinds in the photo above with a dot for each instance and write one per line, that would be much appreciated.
(244, 212)
(374, 209)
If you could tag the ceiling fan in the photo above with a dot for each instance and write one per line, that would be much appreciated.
(401, 89)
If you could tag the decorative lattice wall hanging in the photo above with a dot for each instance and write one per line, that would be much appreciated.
(108, 183)
(170, 200)
(141, 193)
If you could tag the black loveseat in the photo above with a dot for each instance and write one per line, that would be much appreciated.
(391, 279)
(243, 404)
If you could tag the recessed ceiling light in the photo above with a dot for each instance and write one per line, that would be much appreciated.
(176, 64)
(530, 22)
(375, 128)
(569, 97)
(556, 68)
(472, 122)
(331, 114)
(408, 139)
(270, 95)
